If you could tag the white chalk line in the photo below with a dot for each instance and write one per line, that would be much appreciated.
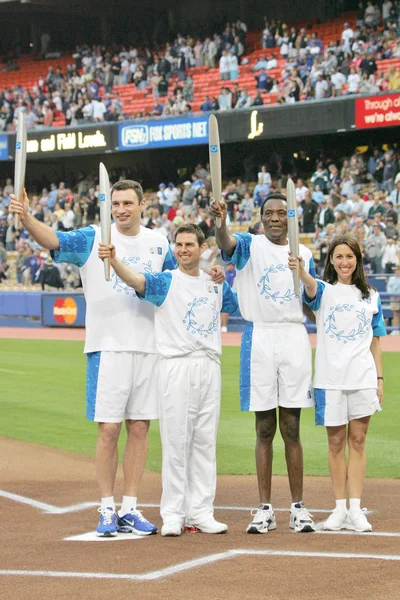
(14, 372)
(61, 510)
(198, 562)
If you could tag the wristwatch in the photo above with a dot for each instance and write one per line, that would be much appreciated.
(383, 379)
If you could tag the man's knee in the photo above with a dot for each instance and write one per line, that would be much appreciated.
(289, 425)
(108, 433)
(266, 426)
(137, 430)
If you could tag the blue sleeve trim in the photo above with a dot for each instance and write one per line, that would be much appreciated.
(311, 268)
(241, 254)
(378, 324)
(157, 287)
(315, 303)
(170, 263)
(75, 246)
(230, 303)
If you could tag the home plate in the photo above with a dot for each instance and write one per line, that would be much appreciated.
(92, 537)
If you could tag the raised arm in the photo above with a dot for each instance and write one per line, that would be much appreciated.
(43, 234)
(225, 241)
(310, 284)
(137, 281)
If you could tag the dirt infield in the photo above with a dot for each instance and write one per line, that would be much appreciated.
(39, 564)
(48, 495)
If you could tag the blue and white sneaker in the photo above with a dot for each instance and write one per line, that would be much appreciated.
(134, 522)
(107, 526)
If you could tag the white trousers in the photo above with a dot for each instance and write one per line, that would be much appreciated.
(189, 405)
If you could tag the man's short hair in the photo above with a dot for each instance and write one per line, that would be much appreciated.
(272, 196)
(128, 184)
(190, 228)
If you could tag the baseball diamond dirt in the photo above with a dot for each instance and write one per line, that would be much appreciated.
(48, 502)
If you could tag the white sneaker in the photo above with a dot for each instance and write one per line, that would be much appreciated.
(395, 332)
(172, 529)
(224, 329)
(357, 521)
(263, 520)
(209, 525)
(300, 519)
(337, 520)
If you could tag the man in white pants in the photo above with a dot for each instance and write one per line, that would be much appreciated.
(120, 345)
(275, 360)
(188, 338)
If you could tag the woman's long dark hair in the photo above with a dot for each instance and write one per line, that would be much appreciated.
(358, 277)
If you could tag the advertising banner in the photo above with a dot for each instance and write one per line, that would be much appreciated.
(3, 147)
(163, 134)
(63, 310)
(377, 111)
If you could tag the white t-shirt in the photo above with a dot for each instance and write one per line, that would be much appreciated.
(345, 326)
(301, 193)
(187, 317)
(116, 320)
(264, 282)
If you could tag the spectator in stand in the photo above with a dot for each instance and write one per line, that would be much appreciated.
(233, 65)
(394, 196)
(225, 99)
(261, 64)
(390, 258)
(320, 177)
(265, 175)
(188, 196)
(372, 15)
(262, 80)
(301, 191)
(258, 99)
(260, 191)
(375, 246)
(391, 229)
(206, 105)
(224, 66)
(318, 194)
(393, 287)
(389, 172)
(310, 210)
(353, 81)
(245, 100)
(232, 199)
(325, 214)
(345, 206)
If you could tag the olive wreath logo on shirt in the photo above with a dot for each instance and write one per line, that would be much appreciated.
(191, 322)
(119, 284)
(342, 336)
(266, 289)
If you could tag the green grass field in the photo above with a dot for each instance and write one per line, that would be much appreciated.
(43, 401)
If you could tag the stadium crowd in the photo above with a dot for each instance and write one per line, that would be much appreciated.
(84, 91)
(361, 196)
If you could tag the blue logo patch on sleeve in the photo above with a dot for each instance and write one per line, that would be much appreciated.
(216, 289)
(18, 146)
(102, 197)
(291, 213)
(213, 148)
(159, 250)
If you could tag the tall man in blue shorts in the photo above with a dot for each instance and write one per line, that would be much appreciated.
(275, 360)
(120, 345)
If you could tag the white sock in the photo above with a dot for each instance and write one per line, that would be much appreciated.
(293, 506)
(108, 502)
(128, 502)
(355, 503)
(341, 504)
